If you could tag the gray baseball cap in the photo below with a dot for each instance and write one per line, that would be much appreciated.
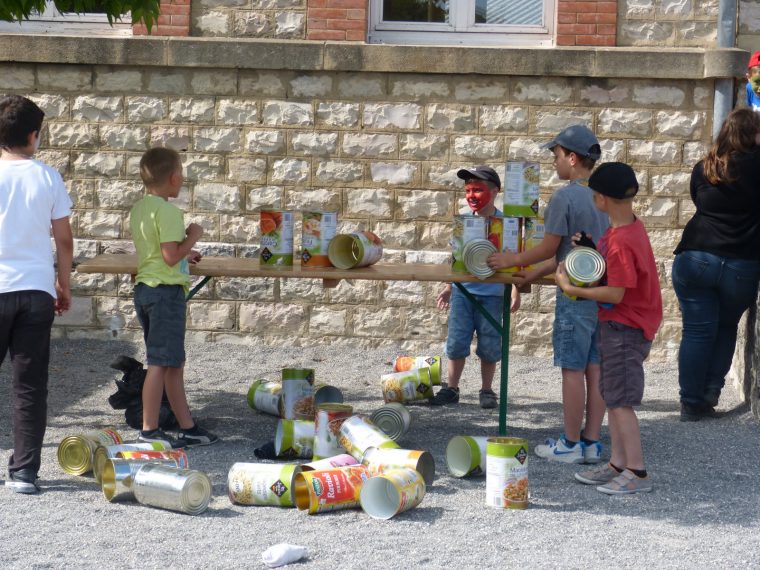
(579, 139)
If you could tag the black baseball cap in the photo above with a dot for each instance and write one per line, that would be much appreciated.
(481, 173)
(578, 139)
(614, 179)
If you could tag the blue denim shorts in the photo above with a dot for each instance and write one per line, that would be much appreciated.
(465, 320)
(574, 335)
(161, 312)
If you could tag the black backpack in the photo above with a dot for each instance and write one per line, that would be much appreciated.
(128, 396)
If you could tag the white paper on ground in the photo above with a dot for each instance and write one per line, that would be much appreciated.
(282, 554)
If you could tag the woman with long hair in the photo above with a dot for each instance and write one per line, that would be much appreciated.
(717, 264)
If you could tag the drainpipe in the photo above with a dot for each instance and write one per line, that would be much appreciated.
(724, 88)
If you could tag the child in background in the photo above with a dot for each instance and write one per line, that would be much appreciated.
(626, 330)
(481, 186)
(570, 211)
(163, 245)
(753, 82)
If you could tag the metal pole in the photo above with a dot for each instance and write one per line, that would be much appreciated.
(723, 100)
(504, 359)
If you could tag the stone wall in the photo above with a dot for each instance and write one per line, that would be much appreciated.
(375, 132)
(281, 19)
(667, 22)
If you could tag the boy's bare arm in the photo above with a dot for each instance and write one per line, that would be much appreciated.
(64, 253)
(173, 252)
(603, 294)
(543, 251)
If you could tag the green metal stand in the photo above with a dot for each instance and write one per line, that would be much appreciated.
(197, 288)
(503, 330)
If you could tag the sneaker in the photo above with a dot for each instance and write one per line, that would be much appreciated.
(196, 436)
(445, 396)
(626, 484)
(488, 399)
(159, 436)
(558, 450)
(592, 452)
(23, 481)
(598, 475)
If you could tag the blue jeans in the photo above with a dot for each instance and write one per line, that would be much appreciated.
(712, 292)
(161, 312)
(465, 320)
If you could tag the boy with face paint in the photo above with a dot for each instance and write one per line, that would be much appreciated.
(753, 82)
(570, 211)
(481, 186)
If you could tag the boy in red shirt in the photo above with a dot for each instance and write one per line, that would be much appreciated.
(630, 313)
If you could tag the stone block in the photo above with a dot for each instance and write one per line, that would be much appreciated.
(658, 95)
(424, 204)
(237, 112)
(393, 173)
(54, 106)
(265, 142)
(418, 87)
(167, 82)
(290, 25)
(192, 110)
(311, 86)
(264, 197)
(118, 80)
(261, 84)
(423, 147)
(376, 322)
(300, 290)
(67, 78)
(210, 316)
(370, 145)
(681, 124)
(671, 183)
(396, 235)
(126, 137)
(286, 114)
(625, 122)
(216, 139)
(117, 194)
(550, 122)
(217, 197)
(238, 229)
(696, 34)
(641, 33)
(527, 149)
(244, 289)
(72, 135)
(355, 292)
(337, 114)
(369, 202)
(324, 321)
(17, 77)
(314, 200)
(251, 24)
(503, 119)
(144, 109)
(213, 82)
(492, 88)
(204, 167)
(435, 235)
(361, 86)
(96, 224)
(404, 116)
(97, 109)
(261, 318)
(604, 92)
(404, 293)
(88, 164)
(478, 149)
(170, 137)
(441, 117)
(290, 171)
(654, 152)
(314, 144)
(543, 91)
(81, 313)
(344, 171)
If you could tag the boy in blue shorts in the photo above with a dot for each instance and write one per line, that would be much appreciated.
(481, 186)
(163, 247)
(630, 312)
(753, 82)
(570, 211)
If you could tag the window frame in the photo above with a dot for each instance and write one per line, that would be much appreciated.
(54, 22)
(462, 29)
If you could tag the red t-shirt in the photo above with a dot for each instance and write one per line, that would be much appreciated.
(630, 264)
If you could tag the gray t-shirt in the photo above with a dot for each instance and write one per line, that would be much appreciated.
(570, 211)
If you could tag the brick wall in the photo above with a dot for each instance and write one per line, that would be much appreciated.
(174, 20)
(587, 23)
(337, 20)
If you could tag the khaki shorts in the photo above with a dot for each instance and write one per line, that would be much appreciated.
(623, 350)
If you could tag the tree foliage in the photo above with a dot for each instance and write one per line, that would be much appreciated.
(140, 10)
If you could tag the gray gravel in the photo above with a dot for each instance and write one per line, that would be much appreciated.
(703, 512)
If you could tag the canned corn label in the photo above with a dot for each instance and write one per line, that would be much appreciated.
(276, 238)
(262, 484)
(319, 229)
(407, 386)
(532, 233)
(294, 438)
(507, 473)
(467, 228)
(297, 394)
(521, 189)
(357, 434)
(265, 396)
(327, 429)
(404, 363)
(510, 239)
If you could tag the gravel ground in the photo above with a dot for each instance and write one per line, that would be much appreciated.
(703, 512)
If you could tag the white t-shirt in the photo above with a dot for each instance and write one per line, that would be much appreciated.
(32, 194)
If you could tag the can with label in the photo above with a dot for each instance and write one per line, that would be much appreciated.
(510, 240)
(475, 255)
(118, 476)
(358, 433)
(294, 438)
(585, 267)
(378, 461)
(262, 484)
(507, 473)
(391, 493)
(178, 455)
(182, 490)
(265, 396)
(466, 455)
(359, 249)
(342, 460)
(467, 227)
(521, 189)
(407, 386)
(103, 453)
(404, 363)
(76, 453)
(297, 394)
(331, 489)
(319, 229)
(532, 233)
(326, 394)
(329, 418)
(276, 239)
(393, 418)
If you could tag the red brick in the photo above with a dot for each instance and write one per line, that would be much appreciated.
(163, 19)
(576, 7)
(345, 24)
(565, 40)
(326, 35)
(316, 24)
(606, 29)
(181, 2)
(170, 10)
(568, 18)
(327, 13)
(139, 30)
(578, 28)
(356, 14)
(180, 20)
(316, 4)
(356, 35)
(346, 3)
(607, 7)
(595, 40)
(597, 18)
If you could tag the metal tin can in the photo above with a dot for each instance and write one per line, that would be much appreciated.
(276, 239)
(511, 240)
(294, 438)
(118, 476)
(359, 249)
(407, 386)
(319, 229)
(475, 255)
(507, 473)
(585, 266)
(342, 460)
(103, 453)
(404, 363)
(178, 455)
(331, 489)
(326, 394)
(521, 189)
(181, 490)
(262, 484)
(395, 491)
(297, 394)
(467, 227)
(329, 418)
(358, 433)
(266, 396)
(76, 453)
(393, 418)
(466, 455)
(378, 461)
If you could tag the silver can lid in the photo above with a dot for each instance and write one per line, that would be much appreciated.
(475, 254)
(585, 265)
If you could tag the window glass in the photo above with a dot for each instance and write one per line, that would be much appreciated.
(416, 11)
(525, 12)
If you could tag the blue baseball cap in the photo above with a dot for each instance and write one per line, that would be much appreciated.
(579, 139)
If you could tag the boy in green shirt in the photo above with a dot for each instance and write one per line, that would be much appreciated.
(164, 247)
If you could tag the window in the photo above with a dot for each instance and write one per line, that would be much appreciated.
(471, 22)
(53, 21)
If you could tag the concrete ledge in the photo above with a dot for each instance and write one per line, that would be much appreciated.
(651, 63)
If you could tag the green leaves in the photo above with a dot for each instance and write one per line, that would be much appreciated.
(140, 10)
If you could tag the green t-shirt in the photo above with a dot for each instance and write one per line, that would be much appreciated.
(154, 221)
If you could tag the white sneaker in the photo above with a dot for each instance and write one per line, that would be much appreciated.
(558, 450)
(592, 452)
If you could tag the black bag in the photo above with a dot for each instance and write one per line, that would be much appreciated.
(128, 396)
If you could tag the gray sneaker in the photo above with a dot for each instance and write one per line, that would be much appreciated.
(445, 396)
(23, 481)
(626, 484)
(488, 399)
(599, 475)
